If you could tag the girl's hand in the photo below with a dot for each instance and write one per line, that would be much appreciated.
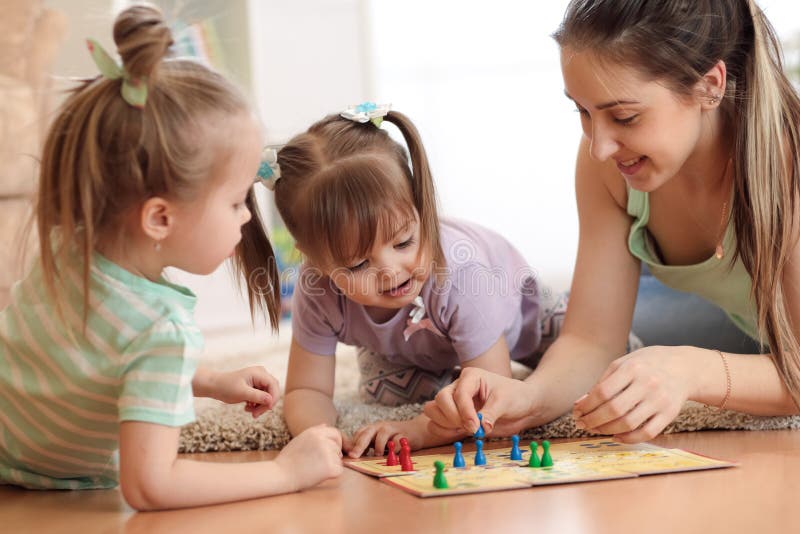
(506, 404)
(639, 395)
(313, 456)
(380, 433)
(252, 385)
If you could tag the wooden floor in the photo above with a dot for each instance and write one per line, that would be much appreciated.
(761, 495)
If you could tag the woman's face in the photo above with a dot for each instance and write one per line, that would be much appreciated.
(648, 130)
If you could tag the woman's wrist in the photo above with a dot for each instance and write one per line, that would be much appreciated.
(704, 372)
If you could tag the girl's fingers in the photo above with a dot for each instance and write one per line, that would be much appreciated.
(361, 441)
(382, 438)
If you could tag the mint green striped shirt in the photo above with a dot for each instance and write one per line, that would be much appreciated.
(63, 392)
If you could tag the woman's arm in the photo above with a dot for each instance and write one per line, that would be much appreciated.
(309, 390)
(602, 296)
(152, 477)
(595, 330)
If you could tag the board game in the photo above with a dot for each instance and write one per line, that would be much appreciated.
(579, 461)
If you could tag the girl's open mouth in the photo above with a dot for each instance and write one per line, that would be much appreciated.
(399, 291)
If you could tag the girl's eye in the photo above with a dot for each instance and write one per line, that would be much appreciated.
(358, 267)
(405, 244)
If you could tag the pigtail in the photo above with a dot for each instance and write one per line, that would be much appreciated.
(255, 265)
(422, 186)
(766, 182)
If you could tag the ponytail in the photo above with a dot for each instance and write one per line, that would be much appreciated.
(255, 265)
(422, 185)
(766, 184)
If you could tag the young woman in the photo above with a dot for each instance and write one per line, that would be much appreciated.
(688, 163)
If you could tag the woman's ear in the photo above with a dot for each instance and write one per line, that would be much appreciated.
(712, 86)
(157, 218)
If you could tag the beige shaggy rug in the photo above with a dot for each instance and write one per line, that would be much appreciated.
(221, 427)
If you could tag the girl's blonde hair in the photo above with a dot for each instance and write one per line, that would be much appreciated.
(342, 181)
(103, 157)
(676, 42)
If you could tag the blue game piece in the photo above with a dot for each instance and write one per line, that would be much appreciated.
(480, 458)
(479, 434)
(516, 454)
(458, 459)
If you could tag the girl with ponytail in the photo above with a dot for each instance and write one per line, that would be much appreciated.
(689, 163)
(97, 350)
(418, 295)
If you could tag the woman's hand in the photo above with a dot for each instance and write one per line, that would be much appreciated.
(506, 404)
(638, 396)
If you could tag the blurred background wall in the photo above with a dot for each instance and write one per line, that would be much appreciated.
(481, 81)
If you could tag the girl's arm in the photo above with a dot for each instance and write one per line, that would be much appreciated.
(309, 390)
(152, 477)
(497, 359)
(252, 385)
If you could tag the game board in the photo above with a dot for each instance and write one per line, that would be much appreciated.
(579, 461)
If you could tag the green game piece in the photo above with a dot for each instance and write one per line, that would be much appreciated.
(438, 479)
(534, 461)
(547, 460)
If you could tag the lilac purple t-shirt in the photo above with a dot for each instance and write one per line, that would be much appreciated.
(487, 291)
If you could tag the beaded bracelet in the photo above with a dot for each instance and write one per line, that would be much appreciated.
(727, 380)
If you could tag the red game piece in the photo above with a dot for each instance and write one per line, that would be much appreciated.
(392, 458)
(405, 458)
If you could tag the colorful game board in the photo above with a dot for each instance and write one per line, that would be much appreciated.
(579, 461)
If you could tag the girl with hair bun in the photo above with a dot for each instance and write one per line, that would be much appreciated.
(149, 165)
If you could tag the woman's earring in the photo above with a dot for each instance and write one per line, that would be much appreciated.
(714, 99)
(157, 246)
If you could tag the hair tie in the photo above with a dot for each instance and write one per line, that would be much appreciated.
(269, 172)
(134, 90)
(367, 112)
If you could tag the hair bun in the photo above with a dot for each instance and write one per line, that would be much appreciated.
(142, 39)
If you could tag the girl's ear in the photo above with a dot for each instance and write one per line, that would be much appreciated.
(157, 218)
(712, 86)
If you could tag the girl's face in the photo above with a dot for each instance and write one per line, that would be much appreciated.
(208, 229)
(648, 131)
(392, 273)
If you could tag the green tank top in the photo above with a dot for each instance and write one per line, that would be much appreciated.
(712, 279)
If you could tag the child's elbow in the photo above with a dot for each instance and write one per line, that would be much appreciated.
(143, 495)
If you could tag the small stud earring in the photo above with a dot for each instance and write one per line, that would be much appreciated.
(714, 99)
(157, 246)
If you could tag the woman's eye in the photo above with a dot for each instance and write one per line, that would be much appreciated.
(626, 120)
